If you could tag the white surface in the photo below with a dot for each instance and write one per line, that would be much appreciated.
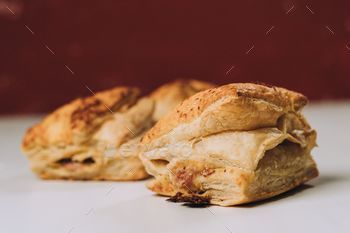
(28, 204)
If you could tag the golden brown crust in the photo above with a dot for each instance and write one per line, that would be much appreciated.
(63, 145)
(71, 142)
(73, 122)
(225, 184)
(231, 145)
(191, 108)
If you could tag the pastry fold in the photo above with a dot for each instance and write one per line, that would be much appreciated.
(230, 145)
(97, 137)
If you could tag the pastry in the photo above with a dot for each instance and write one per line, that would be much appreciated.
(229, 145)
(97, 137)
(168, 96)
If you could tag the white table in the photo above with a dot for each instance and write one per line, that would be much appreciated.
(28, 204)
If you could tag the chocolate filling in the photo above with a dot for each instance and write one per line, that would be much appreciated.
(193, 199)
(88, 161)
(66, 161)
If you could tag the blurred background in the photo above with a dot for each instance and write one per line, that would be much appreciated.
(50, 50)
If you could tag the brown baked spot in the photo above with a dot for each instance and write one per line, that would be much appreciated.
(88, 111)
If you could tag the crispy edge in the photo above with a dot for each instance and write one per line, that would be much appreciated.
(165, 188)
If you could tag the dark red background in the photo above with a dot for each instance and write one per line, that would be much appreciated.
(146, 43)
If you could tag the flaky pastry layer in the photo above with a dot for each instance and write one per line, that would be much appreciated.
(230, 145)
(97, 137)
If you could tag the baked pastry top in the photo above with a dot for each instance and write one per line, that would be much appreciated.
(230, 145)
(97, 137)
(74, 122)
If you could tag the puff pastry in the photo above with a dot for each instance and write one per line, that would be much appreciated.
(230, 145)
(97, 137)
